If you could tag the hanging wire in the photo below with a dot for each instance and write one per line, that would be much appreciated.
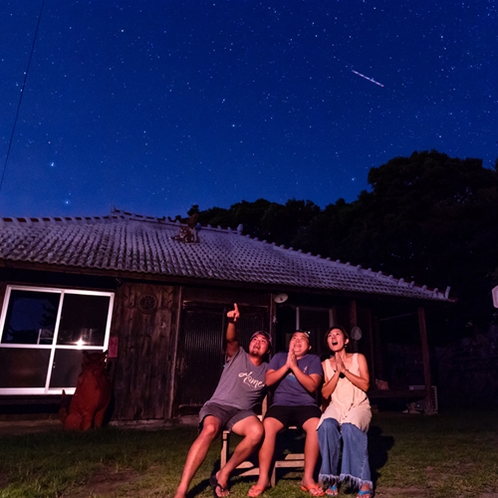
(21, 96)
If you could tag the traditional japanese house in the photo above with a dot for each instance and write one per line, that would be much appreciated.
(155, 293)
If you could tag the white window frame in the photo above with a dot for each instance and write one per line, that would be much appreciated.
(54, 346)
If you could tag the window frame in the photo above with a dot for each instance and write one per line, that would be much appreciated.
(62, 291)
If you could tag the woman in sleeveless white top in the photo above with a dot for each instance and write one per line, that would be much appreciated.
(347, 418)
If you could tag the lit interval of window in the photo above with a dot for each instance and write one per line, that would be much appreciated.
(44, 334)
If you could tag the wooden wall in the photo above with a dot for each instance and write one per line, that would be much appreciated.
(144, 321)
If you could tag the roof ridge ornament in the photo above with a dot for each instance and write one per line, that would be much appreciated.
(188, 234)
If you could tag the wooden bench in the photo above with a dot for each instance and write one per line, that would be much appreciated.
(414, 395)
(287, 460)
(250, 467)
(401, 394)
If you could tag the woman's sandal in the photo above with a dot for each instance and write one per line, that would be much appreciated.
(332, 490)
(365, 493)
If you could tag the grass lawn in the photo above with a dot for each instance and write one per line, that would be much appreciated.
(448, 455)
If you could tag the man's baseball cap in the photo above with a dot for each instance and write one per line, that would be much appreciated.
(266, 335)
(305, 332)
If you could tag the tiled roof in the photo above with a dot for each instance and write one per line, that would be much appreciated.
(130, 243)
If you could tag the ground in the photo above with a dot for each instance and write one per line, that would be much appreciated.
(130, 483)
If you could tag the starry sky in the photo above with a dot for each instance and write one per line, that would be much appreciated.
(150, 106)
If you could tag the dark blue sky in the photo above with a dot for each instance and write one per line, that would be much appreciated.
(152, 106)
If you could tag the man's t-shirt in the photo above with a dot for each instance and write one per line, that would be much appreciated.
(289, 391)
(242, 384)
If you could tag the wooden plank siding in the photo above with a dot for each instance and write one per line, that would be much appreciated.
(142, 372)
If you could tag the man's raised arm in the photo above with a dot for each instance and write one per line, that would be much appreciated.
(231, 336)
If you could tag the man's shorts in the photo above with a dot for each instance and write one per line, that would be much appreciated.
(293, 415)
(227, 415)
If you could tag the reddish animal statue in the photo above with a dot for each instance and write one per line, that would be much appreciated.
(92, 395)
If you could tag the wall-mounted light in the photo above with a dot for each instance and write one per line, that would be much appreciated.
(281, 298)
(356, 333)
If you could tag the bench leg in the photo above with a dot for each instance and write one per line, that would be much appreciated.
(224, 448)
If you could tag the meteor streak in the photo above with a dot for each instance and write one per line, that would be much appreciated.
(367, 78)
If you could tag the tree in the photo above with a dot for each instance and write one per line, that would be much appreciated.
(433, 219)
(428, 218)
(264, 219)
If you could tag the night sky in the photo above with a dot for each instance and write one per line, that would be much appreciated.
(152, 106)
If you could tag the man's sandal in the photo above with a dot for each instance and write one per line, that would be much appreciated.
(213, 482)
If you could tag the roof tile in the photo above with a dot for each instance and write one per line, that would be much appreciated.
(130, 243)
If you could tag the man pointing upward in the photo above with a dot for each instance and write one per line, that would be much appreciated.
(241, 387)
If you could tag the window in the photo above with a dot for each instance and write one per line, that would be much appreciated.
(44, 333)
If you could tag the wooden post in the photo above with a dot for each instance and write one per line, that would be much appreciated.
(173, 370)
(353, 321)
(429, 409)
(371, 351)
(378, 362)
(353, 318)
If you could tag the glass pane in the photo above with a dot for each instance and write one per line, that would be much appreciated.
(66, 368)
(30, 317)
(23, 367)
(83, 320)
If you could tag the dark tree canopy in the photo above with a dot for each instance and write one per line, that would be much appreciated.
(431, 218)
(263, 219)
(428, 217)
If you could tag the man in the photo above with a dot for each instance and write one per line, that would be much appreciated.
(241, 387)
(297, 375)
